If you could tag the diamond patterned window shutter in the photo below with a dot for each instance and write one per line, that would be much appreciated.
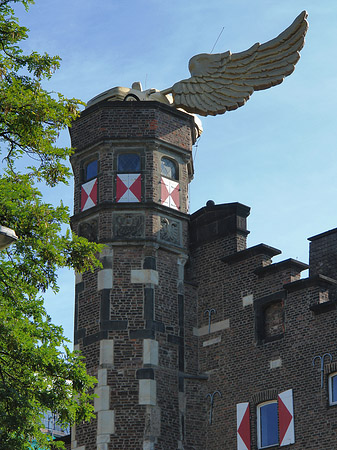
(170, 195)
(128, 188)
(286, 418)
(89, 194)
(243, 426)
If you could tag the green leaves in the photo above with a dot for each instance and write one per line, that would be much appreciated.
(38, 372)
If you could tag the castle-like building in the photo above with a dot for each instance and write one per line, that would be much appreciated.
(197, 342)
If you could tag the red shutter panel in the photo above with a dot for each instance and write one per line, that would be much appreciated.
(243, 426)
(128, 188)
(286, 418)
(89, 194)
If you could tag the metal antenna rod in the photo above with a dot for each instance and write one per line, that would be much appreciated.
(321, 358)
(217, 39)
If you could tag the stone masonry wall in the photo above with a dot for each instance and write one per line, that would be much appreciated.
(129, 314)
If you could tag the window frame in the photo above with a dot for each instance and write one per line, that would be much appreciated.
(259, 427)
(330, 389)
(260, 306)
(176, 165)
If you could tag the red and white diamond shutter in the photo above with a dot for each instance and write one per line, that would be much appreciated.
(286, 418)
(89, 194)
(170, 193)
(129, 187)
(243, 426)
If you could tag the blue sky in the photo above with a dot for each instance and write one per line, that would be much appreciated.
(277, 154)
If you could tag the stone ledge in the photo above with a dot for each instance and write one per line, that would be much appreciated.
(282, 265)
(217, 326)
(260, 249)
(319, 308)
(315, 281)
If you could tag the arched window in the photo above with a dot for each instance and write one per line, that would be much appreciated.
(170, 190)
(169, 168)
(267, 424)
(91, 170)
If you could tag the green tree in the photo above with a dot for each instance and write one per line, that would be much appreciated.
(37, 370)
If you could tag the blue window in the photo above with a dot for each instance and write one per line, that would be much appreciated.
(91, 170)
(128, 163)
(333, 389)
(169, 168)
(267, 424)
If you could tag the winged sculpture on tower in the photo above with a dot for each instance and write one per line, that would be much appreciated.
(223, 82)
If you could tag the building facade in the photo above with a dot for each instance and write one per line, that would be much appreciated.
(197, 342)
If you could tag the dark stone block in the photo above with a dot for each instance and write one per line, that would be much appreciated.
(174, 339)
(142, 334)
(148, 303)
(145, 374)
(150, 263)
(79, 287)
(181, 356)
(105, 305)
(181, 383)
(155, 326)
(88, 340)
(78, 334)
(107, 262)
(114, 325)
(181, 310)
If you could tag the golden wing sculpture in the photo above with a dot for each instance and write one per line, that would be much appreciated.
(224, 81)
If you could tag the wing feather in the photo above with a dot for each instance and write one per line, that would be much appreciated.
(225, 81)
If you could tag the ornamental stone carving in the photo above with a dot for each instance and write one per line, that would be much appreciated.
(89, 230)
(170, 230)
(128, 225)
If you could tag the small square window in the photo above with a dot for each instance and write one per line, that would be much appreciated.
(91, 170)
(267, 424)
(333, 389)
(128, 163)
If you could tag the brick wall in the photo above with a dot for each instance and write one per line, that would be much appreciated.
(182, 310)
(243, 361)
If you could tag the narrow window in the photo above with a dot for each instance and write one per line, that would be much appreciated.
(267, 424)
(170, 189)
(91, 170)
(333, 389)
(89, 188)
(169, 168)
(129, 179)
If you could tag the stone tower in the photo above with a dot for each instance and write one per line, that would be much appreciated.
(132, 167)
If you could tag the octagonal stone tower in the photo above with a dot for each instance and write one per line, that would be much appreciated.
(132, 166)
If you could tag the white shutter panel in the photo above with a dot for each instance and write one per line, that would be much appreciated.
(243, 426)
(286, 418)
